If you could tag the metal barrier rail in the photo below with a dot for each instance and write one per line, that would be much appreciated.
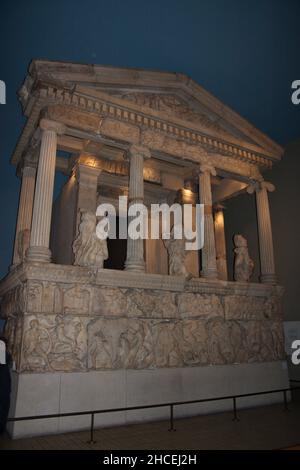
(171, 405)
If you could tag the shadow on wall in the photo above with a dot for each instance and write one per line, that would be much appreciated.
(284, 203)
(240, 217)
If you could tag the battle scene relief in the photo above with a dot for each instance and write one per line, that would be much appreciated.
(75, 327)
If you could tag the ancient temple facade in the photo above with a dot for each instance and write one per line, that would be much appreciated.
(131, 333)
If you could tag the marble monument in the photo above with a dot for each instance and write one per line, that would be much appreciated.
(158, 325)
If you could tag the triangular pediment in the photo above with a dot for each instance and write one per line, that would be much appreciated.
(185, 109)
(171, 94)
(171, 104)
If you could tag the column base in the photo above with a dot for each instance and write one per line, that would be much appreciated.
(268, 279)
(40, 254)
(209, 274)
(135, 266)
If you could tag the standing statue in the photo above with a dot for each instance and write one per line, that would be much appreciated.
(176, 255)
(243, 264)
(89, 250)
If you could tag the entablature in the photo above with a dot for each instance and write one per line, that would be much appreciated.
(108, 121)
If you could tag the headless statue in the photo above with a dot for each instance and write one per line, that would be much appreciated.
(176, 255)
(243, 264)
(89, 250)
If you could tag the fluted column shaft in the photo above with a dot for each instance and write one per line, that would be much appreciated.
(135, 248)
(267, 263)
(42, 208)
(220, 243)
(209, 263)
(25, 206)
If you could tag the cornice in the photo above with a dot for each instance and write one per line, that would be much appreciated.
(113, 278)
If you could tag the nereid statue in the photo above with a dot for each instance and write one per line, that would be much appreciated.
(243, 264)
(88, 249)
(176, 255)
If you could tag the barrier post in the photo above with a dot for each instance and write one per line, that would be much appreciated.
(172, 418)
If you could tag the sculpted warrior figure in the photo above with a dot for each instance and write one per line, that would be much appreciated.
(88, 249)
(37, 344)
(243, 264)
(63, 343)
(100, 352)
(176, 255)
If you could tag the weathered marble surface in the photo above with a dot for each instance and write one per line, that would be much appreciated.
(76, 326)
(243, 264)
(176, 255)
(88, 248)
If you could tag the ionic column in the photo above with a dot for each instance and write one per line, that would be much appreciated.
(135, 248)
(266, 250)
(25, 207)
(87, 179)
(42, 207)
(220, 242)
(209, 263)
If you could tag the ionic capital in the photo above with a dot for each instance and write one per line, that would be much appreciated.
(140, 151)
(27, 165)
(207, 168)
(258, 185)
(48, 125)
(268, 186)
(253, 186)
(31, 158)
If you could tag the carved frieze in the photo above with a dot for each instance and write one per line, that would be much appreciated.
(54, 343)
(151, 304)
(76, 300)
(120, 130)
(239, 307)
(71, 117)
(164, 143)
(80, 326)
(140, 344)
(200, 305)
(43, 296)
(109, 302)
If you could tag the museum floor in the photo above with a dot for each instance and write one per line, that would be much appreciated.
(268, 427)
